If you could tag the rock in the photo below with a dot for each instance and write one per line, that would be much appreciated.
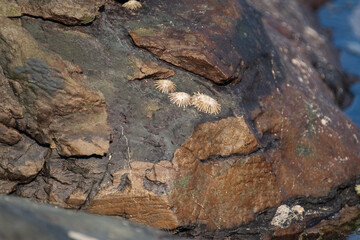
(344, 222)
(40, 221)
(150, 70)
(69, 12)
(53, 102)
(314, 4)
(190, 46)
(9, 136)
(22, 161)
(170, 193)
(279, 139)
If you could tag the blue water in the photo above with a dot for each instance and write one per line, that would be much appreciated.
(343, 18)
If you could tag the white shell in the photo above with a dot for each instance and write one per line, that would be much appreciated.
(181, 99)
(206, 104)
(165, 86)
(132, 5)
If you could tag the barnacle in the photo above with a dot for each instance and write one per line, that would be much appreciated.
(165, 86)
(181, 99)
(357, 189)
(132, 5)
(204, 103)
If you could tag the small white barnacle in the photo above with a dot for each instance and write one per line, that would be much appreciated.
(204, 103)
(132, 5)
(165, 86)
(181, 99)
(357, 189)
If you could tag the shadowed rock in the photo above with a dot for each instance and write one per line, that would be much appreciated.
(22, 219)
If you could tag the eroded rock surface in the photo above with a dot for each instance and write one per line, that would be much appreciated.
(48, 98)
(280, 137)
(68, 12)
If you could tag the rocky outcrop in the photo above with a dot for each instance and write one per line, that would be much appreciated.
(47, 98)
(68, 12)
(280, 138)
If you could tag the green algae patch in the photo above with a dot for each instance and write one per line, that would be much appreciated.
(151, 32)
(182, 182)
(304, 151)
(87, 19)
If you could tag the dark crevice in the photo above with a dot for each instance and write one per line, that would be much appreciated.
(97, 185)
(274, 144)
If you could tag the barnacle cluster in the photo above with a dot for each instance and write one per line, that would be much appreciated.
(206, 104)
(132, 5)
(200, 101)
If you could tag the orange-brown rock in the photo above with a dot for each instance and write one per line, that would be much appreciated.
(131, 196)
(148, 69)
(222, 138)
(188, 190)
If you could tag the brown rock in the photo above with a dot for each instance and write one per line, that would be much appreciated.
(191, 47)
(147, 69)
(222, 194)
(77, 198)
(344, 221)
(184, 193)
(129, 197)
(69, 12)
(9, 136)
(22, 161)
(58, 104)
(222, 138)
(7, 187)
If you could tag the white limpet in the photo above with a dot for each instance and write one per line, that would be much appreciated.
(132, 5)
(165, 86)
(206, 104)
(181, 99)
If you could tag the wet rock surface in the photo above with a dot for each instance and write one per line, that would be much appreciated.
(84, 127)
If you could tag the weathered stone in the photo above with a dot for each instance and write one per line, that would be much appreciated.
(59, 107)
(70, 12)
(9, 136)
(280, 137)
(222, 138)
(343, 222)
(149, 70)
(7, 187)
(22, 161)
(206, 47)
(128, 190)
